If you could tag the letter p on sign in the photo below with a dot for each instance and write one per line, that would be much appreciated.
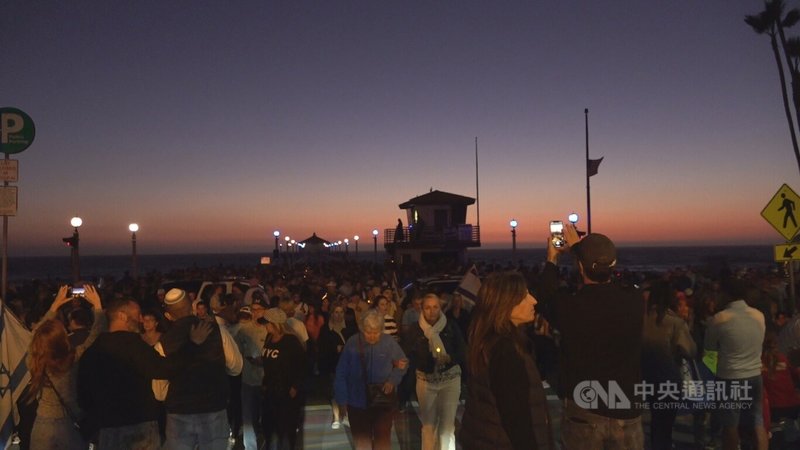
(16, 130)
(10, 123)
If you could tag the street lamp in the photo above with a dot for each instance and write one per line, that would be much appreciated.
(135, 263)
(277, 234)
(573, 218)
(355, 238)
(375, 242)
(73, 243)
(346, 247)
(513, 224)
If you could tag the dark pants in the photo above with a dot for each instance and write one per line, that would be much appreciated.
(235, 405)
(408, 385)
(661, 422)
(280, 415)
(371, 428)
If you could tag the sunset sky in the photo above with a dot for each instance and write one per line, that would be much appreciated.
(213, 123)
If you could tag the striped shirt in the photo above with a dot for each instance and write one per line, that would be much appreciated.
(390, 326)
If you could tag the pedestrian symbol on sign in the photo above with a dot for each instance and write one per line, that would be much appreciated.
(788, 206)
(780, 212)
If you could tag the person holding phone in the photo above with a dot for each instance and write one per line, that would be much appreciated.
(601, 342)
(53, 363)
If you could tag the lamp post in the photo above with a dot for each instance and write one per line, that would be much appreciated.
(375, 242)
(355, 238)
(134, 261)
(288, 248)
(73, 243)
(513, 224)
(277, 234)
(346, 247)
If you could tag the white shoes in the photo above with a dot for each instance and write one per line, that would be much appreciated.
(335, 425)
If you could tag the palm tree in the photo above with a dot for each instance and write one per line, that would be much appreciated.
(775, 8)
(766, 22)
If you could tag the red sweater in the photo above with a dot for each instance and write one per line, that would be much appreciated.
(779, 385)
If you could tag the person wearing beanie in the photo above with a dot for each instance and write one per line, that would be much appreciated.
(601, 329)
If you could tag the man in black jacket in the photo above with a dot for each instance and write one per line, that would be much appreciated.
(601, 340)
(196, 398)
(115, 377)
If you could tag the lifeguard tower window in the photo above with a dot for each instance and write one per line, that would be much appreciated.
(440, 219)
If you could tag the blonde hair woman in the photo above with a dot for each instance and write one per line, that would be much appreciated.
(436, 348)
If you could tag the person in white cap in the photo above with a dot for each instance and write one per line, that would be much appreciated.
(196, 398)
(250, 339)
(284, 362)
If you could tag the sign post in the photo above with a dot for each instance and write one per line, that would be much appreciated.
(780, 212)
(16, 134)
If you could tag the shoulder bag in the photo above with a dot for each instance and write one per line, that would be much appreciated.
(376, 398)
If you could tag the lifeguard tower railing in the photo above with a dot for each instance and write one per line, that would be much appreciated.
(460, 236)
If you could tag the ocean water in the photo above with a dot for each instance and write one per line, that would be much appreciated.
(632, 258)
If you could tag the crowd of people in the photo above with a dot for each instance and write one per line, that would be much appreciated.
(138, 363)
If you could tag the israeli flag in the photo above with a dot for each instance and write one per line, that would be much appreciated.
(469, 287)
(14, 375)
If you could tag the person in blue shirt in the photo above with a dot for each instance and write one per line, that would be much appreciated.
(380, 358)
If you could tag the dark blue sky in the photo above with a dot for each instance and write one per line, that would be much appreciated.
(213, 123)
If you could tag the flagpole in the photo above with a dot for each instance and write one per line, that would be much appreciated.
(477, 187)
(588, 190)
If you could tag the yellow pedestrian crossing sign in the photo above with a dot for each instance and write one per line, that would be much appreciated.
(781, 212)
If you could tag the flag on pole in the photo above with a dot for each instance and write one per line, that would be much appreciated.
(469, 286)
(592, 165)
(14, 375)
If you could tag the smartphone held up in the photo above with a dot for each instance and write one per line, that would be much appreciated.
(557, 233)
(77, 291)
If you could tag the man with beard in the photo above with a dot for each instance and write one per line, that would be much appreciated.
(115, 376)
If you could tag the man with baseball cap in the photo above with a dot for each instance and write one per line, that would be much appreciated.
(601, 340)
(250, 339)
(196, 398)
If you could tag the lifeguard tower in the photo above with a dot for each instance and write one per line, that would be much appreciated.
(436, 230)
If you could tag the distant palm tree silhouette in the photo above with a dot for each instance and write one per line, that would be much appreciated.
(772, 22)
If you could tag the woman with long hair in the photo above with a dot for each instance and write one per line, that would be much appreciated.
(666, 340)
(332, 337)
(506, 407)
(383, 306)
(53, 364)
